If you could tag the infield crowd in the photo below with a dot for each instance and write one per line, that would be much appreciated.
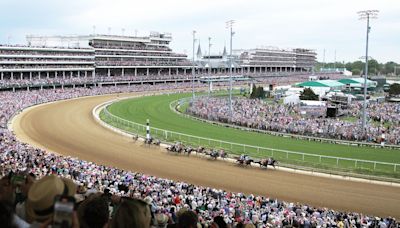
(256, 113)
(111, 197)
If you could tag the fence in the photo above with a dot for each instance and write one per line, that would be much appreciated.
(293, 157)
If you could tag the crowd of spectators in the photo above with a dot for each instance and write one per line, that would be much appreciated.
(271, 78)
(149, 62)
(44, 66)
(89, 79)
(107, 196)
(128, 46)
(122, 54)
(293, 119)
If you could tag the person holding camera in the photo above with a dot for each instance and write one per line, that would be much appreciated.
(51, 201)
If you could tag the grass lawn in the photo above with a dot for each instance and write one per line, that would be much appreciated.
(157, 109)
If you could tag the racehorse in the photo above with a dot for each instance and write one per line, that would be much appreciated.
(188, 150)
(244, 160)
(214, 154)
(135, 137)
(200, 150)
(266, 162)
(223, 154)
(156, 142)
(148, 141)
(177, 147)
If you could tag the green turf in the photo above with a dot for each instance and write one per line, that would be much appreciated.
(157, 109)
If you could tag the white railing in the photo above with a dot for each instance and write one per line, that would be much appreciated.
(172, 136)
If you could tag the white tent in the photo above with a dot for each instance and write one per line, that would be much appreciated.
(292, 99)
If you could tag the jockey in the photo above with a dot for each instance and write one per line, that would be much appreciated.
(242, 157)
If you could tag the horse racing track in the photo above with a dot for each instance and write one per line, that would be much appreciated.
(69, 128)
(168, 125)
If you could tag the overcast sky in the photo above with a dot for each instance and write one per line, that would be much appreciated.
(315, 24)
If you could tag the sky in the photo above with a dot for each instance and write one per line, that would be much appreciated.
(330, 25)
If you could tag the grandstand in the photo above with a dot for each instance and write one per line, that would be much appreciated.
(133, 56)
(264, 60)
(103, 60)
(19, 63)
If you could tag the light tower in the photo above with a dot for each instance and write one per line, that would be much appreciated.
(193, 69)
(229, 24)
(366, 14)
(209, 55)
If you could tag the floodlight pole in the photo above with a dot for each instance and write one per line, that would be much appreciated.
(229, 24)
(193, 67)
(366, 14)
(209, 55)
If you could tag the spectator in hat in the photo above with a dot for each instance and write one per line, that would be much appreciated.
(40, 201)
(162, 220)
(131, 213)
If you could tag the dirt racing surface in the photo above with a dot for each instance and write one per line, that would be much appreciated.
(68, 128)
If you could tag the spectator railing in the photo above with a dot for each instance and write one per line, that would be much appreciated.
(237, 148)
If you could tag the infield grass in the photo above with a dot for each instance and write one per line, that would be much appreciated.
(157, 109)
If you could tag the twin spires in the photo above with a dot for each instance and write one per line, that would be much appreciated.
(199, 54)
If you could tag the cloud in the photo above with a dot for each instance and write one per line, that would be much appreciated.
(315, 24)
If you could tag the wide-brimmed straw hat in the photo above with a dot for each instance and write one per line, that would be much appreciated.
(162, 219)
(40, 202)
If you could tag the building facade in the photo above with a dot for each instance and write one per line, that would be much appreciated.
(263, 60)
(137, 56)
(102, 58)
(37, 63)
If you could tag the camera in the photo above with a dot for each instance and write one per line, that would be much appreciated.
(63, 209)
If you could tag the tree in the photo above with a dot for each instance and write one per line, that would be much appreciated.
(253, 92)
(373, 66)
(357, 67)
(356, 71)
(388, 68)
(258, 92)
(308, 94)
(394, 89)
